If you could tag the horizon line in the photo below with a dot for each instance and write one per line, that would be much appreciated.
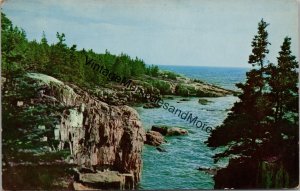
(221, 66)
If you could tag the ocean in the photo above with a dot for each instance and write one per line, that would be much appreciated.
(225, 77)
(177, 168)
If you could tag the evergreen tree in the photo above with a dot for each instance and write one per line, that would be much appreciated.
(264, 123)
(283, 85)
(44, 53)
(13, 46)
(283, 80)
(44, 40)
(259, 51)
(259, 45)
(246, 122)
(153, 70)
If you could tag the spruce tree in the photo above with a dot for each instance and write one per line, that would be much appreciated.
(283, 80)
(283, 85)
(246, 122)
(264, 124)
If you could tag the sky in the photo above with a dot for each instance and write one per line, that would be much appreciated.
(161, 32)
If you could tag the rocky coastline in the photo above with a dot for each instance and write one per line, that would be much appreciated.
(101, 136)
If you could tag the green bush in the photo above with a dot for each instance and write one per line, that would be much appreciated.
(164, 87)
(170, 75)
(182, 90)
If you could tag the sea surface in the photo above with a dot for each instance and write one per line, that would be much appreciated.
(177, 168)
(225, 77)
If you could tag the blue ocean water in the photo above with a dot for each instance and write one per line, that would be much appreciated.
(225, 77)
(177, 168)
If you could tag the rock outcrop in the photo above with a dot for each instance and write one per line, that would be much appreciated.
(211, 171)
(154, 138)
(97, 134)
(151, 105)
(204, 101)
(103, 180)
(182, 86)
(169, 131)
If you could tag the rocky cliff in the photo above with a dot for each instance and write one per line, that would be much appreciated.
(99, 136)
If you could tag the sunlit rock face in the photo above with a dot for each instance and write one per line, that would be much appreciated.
(97, 134)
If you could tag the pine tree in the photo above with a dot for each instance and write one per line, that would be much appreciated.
(13, 46)
(259, 51)
(283, 85)
(246, 122)
(43, 54)
(264, 124)
(283, 82)
(44, 40)
(259, 44)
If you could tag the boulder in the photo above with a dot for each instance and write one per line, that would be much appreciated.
(160, 149)
(169, 97)
(79, 186)
(154, 138)
(104, 180)
(184, 99)
(174, 131)
(151, 105)
(161, 129)
(169, 131)
(204, 101)
(211, 171)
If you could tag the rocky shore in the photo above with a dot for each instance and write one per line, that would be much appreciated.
(99, 135)
(155, 136)
(116, 94)
(96, 134)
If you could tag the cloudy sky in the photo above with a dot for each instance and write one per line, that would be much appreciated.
(165, 32)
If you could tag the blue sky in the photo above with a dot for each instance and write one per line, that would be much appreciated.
(164, 32)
